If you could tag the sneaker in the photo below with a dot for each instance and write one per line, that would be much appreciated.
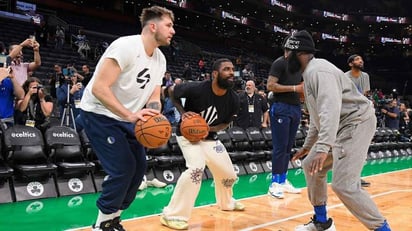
(116, 224)
(239, 206)
(174, 223)
(364, 183)
(143, 186)
(156, 183)
(289, 188)
(104, 226)
(314, 225)
(276, 190)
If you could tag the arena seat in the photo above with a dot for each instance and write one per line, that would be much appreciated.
(241, 147)
(6, 179)
(267, 135)
(75, 172)
(34, 175)
(99, 175)
(256, 156)
(169, 160)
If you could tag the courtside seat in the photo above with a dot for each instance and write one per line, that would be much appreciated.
(241, 147)
(378, 137)
(267, 135)
(299, 138)
(99, 175)
(75, 172)
(257, 155)
(172, 142)
(224, 138)
(34, 175)
(169, 168)
(6, 179)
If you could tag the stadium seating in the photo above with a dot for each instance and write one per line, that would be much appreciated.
(34, 174)
(75, 173)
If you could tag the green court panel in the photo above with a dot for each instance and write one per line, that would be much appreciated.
(70, 212)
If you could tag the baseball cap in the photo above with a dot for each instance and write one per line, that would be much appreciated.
(301, 41)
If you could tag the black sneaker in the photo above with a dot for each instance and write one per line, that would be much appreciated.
(364, 183)
(316, 225)
(104, 226)
(116, 224)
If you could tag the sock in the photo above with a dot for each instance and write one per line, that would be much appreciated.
(320, 212)
(275, 178)
(282, 178)
(384, 227)
(101, 217)
(118, 213)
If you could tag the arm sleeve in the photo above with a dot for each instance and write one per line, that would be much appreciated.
(278, 68)
(311, 137)
(367, 83)
(119, 52)
(328, 95)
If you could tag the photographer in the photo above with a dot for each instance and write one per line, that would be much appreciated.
(35, 108)
(391, 112)
(74, 89)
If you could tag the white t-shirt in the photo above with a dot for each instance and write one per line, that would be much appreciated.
(139, 76)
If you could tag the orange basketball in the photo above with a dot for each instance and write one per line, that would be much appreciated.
(153, 133)
(194, 129)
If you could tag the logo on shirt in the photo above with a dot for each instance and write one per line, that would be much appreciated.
(143, 78)
(210, 114)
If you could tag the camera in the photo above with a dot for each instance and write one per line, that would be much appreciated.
(39, 87)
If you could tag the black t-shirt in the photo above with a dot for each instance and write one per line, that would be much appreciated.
(200, 98)
(279, 70)
(245, 118)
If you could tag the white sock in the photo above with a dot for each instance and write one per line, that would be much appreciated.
(101, 217)
(118, 213)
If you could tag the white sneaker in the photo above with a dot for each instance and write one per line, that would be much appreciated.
(313, 225)
(276, 190)
(289, 188)
(143, 185)
(156, 183)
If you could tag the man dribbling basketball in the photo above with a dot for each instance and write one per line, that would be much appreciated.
(217, 103)
(113, 102)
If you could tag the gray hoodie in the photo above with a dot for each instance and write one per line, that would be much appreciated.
(333, 102)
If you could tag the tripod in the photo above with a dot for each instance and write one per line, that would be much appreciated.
(68, 111)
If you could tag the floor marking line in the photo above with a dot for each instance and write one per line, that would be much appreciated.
(311, 212)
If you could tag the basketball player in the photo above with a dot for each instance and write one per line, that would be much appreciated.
(342, 124)
(128, 77)
(217, 103)
(361, 80)
(285, 114)
(357, 75)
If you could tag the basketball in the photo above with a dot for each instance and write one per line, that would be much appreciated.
(194, 129)
(154, 132)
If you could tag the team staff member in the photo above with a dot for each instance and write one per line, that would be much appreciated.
(217, 103)
(285, 115)
(253, 110)
(128, 77)
(342, 125)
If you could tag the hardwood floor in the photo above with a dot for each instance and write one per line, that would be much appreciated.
(392, 192)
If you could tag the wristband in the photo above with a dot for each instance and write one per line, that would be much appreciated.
(294, 88)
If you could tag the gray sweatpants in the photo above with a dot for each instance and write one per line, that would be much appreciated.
(347, 160)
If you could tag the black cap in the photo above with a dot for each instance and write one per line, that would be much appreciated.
(352, 57)
(301, 41)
